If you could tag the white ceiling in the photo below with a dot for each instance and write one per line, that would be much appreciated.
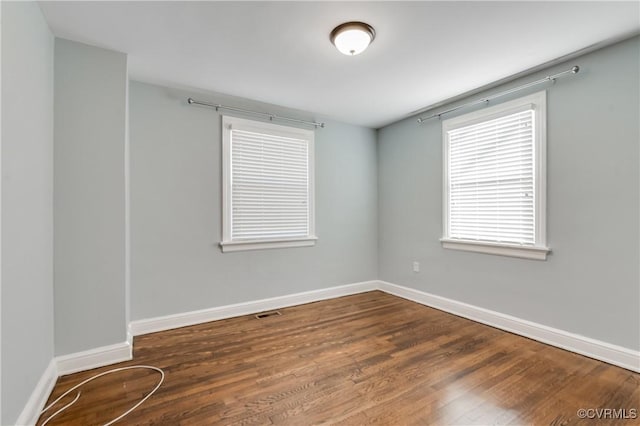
(280, 53)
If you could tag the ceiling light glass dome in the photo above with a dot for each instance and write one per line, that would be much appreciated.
(352, 38)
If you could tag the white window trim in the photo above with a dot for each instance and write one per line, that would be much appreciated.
(266, 244)
(528, 252)
(539, 250)
(229, 245)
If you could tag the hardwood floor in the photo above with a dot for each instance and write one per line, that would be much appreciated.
(370, 358)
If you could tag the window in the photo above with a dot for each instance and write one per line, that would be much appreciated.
(267, 186)
(494, 179)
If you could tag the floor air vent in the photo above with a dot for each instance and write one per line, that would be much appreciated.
(268, 314)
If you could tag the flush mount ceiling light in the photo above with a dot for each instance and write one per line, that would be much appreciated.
(352, 38)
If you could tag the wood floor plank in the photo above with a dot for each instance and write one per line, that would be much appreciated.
(370, 358)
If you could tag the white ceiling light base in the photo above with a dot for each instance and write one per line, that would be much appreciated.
(352, 38)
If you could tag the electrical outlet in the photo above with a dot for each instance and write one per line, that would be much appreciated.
(416, 266)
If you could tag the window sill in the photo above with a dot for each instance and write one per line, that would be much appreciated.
(524, 252)
(228, 246)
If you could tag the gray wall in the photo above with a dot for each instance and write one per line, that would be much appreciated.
(89, 209)
(590, 283)
(176, 263)
(27, 203)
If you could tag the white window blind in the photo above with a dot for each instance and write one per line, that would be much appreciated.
(491, 180)
(494, 179)
(269, 186)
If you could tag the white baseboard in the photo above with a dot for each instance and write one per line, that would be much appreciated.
(111, 354)
(99, 357)
(93, 358)
(168, 322)
(39, 396)
(67, 364)
(603, 351)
